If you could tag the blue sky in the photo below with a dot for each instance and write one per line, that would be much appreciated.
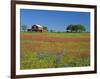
(55, 20)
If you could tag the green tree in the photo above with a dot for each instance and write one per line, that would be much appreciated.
(70, 28)
(82, 28)
(76, 28)
(24, 28)
(45, 28)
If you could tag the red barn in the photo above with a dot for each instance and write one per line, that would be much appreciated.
(37, 28)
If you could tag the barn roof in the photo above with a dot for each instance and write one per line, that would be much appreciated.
(38, 25)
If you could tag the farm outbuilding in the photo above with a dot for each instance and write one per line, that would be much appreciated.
(37, 28)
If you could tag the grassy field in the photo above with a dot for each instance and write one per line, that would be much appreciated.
(54, 50)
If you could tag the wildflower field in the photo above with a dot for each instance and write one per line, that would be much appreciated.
(54, 50)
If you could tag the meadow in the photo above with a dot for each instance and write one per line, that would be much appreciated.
(54, 50)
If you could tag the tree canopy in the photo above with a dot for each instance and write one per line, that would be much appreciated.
(24, 28)
(76, 28)
(45, 27)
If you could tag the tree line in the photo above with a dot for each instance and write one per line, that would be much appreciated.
(69, 28)
(76, 28)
